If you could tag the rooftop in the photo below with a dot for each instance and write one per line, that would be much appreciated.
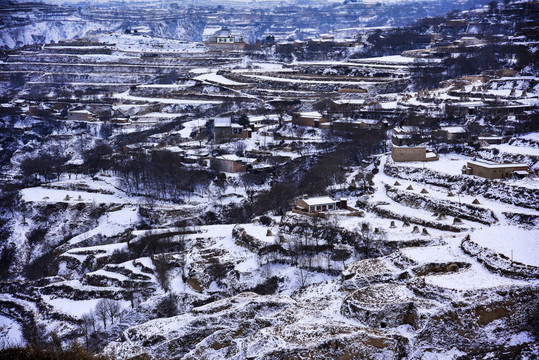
(319, 200)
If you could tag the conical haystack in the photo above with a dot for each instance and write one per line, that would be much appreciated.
(424, 191)
(410, 187)
(67, 198)
(415, 230)
(392, 226)
(425, 232)
(476, 202)
(450, 194)
(397, 183)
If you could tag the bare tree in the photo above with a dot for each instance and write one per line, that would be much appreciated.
(101, 311)
(113, 309)
(161, 271)
(88, 327)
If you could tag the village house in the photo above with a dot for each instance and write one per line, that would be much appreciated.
(79, 115)
(224, 40)
(453, 134)
(347, 105)
(311, 118)
(490, 170)
(224, 130)
(356, 124)
(319, 204)
(507, 108)
(408, 135)
(412, 153)
(259, 121)
(324, 206)
(231, 163)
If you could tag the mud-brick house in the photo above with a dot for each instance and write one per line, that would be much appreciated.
(310, 118)
(412, 153)
(231, 163)
(356, 124)
(490, 170)
(453, 134)
(224, 130)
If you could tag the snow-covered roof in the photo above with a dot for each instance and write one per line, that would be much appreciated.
(79, 112)
(221, 122)
(319, 200)
(233, 157)
(349, 101)
(313, 114)
(454, 129)
(492, 165)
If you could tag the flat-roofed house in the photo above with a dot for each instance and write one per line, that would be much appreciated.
(224, 130)
(490, 170)
(80, 115)
(310, 118)
(412, 153)
(317, 204)
(231, 163)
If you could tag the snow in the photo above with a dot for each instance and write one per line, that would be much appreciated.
(450, 164)
(126, 96)
(475, 278)
(278, 79)
(110, 224)
(422, 255)
(531, 136)
(10, 332)
(392, 59)
(219, 79)
(47, 195)
(319, 200)
(75, 308)
(516, 243)
(511, 149)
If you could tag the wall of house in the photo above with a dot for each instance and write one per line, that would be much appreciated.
(225, 165)
(307, 121)
(222, 134)
(77, 116)
(418, 153)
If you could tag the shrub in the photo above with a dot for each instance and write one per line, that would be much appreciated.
(265, 220)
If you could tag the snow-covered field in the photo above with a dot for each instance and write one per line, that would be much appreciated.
(517, 244)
